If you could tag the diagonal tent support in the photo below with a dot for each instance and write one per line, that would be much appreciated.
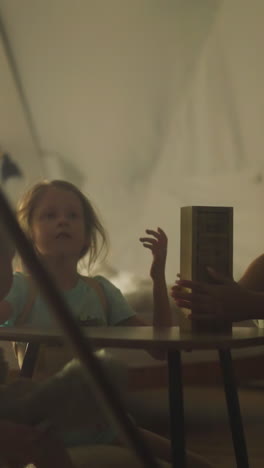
(19, 86)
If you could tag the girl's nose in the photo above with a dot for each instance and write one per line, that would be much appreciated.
(63, 220)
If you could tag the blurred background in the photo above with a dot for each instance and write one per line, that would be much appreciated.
(145, 105)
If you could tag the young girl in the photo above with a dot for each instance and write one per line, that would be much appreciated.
(63, 227)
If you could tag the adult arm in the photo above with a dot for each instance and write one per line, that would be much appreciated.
(227, 300)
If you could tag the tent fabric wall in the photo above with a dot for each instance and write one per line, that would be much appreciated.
(156, 104)
(15, 136)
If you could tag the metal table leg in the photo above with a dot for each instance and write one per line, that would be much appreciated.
(235, 419)
(30, 359)
(177, 428)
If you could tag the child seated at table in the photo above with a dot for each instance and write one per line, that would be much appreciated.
(63, 227)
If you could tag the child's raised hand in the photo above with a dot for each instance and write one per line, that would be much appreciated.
(157, 242)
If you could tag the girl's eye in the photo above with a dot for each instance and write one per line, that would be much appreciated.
(73, 215)
(49, 215)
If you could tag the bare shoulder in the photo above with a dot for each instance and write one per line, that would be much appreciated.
(253, 277)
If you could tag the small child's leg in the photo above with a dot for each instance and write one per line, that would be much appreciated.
(161, 448)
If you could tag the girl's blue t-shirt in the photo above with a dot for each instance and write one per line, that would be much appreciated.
(85, 305)
(83, 301)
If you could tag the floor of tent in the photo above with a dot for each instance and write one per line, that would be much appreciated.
(207, 428)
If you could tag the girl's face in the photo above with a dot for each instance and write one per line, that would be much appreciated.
(58, 227)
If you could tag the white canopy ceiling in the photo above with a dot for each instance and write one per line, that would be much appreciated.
(147, 105)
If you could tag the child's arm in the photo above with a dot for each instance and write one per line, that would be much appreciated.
(162, 312)
(157, 243)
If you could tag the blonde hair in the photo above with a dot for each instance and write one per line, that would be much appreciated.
(98, 240)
